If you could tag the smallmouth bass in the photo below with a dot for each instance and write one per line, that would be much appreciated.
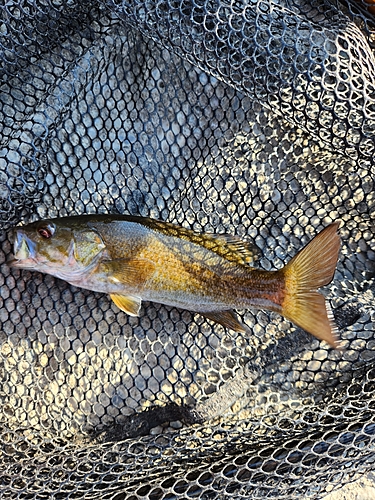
(136, 258)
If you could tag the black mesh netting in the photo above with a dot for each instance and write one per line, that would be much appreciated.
(255, 118)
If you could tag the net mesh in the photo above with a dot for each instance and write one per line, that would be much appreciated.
(254, 118)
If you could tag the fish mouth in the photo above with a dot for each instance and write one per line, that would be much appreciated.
(24, 252)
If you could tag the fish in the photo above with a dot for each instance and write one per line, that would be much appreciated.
(135, 259)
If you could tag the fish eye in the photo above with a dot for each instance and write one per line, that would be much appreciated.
(47, 231)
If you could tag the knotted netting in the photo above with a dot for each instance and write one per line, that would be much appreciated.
(254, 118)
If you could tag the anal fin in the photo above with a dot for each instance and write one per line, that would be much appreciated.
(228, 319)
(127, 303)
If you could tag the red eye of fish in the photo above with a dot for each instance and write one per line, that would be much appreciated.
(46, 232)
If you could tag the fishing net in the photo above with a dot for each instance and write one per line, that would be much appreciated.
(254, 118)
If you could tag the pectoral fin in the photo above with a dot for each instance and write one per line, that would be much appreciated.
(131, 272)
(127, 303)
(227, 319)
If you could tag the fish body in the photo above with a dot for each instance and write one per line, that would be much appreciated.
(135, 258)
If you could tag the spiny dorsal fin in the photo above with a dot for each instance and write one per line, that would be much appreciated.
(230, 247)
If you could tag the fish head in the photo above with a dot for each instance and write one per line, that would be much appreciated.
(56, 246)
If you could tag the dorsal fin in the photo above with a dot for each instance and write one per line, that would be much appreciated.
(230, 247)
(233, 248)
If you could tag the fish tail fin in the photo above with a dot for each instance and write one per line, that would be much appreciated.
(313, 267)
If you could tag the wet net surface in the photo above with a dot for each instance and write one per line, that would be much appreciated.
(255, 119)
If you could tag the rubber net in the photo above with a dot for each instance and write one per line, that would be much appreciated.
(247, 117)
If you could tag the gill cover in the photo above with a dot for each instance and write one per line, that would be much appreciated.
(87, 245)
